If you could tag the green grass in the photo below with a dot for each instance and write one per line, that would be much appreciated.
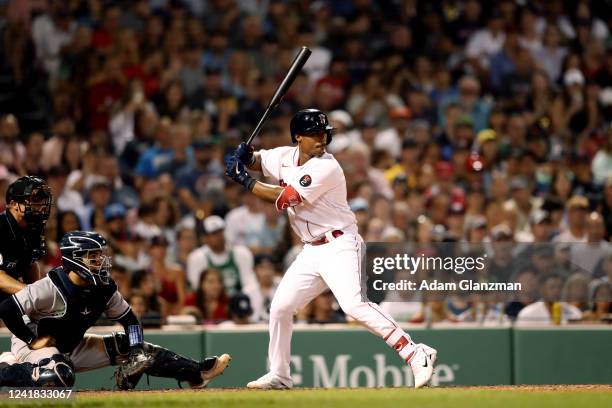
(556, 397)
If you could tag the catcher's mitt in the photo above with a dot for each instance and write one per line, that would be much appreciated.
(128, 373)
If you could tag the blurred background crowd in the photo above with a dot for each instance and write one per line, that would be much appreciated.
(456, 120)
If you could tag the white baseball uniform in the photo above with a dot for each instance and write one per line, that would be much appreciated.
(320, 209)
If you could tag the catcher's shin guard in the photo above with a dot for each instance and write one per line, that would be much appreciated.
(165, 363)
(168, 364)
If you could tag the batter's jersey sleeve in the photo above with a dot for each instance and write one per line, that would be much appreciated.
(315, 179)
(39, 299)
(271, 160)
(117, 307)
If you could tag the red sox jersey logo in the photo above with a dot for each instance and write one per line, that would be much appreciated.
(305, 180)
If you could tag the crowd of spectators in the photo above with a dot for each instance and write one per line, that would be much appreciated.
(455, 119)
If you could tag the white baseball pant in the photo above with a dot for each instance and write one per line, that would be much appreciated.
(337, 265)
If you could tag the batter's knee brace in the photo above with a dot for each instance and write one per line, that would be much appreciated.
(117, 347)
(56, 371)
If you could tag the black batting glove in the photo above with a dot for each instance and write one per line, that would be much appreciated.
(244, 153)
(234, 169)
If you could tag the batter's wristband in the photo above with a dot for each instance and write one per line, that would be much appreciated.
(250, 185)
(135, 335)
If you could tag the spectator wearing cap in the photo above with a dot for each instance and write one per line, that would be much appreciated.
(501, 244)
(199, 185)
(169, 278)
(576, 211)
(235, 263)
(344, 133)
(487, 145)
(540, 228)
(475, 233)
(521, 202)
(361, 209)
(568, 111)
(239, 310)
(390, 139)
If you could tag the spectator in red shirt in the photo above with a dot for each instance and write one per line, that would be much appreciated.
(103, 92)
(210, 297)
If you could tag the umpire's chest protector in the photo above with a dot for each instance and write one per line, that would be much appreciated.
(15, 253)
(84, 306)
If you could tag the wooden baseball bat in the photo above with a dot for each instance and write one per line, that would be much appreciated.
(294, 69)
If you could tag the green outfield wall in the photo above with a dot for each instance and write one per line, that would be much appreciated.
(333, 356)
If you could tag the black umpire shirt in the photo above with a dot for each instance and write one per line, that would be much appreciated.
(16, 249)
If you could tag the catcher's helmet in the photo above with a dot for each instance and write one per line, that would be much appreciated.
(85, 253)
(35, 195)
(310, 121)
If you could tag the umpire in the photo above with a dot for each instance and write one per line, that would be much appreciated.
(22, 232)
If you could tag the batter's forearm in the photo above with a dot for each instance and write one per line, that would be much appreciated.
(8, 284)
(267, 192)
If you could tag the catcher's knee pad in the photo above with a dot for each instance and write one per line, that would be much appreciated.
(117, 347)
(56, 371)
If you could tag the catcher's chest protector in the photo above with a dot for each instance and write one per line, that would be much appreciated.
(84, 306)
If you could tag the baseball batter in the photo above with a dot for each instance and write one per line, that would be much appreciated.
(312, 189)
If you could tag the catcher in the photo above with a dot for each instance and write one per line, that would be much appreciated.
(48, 350)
